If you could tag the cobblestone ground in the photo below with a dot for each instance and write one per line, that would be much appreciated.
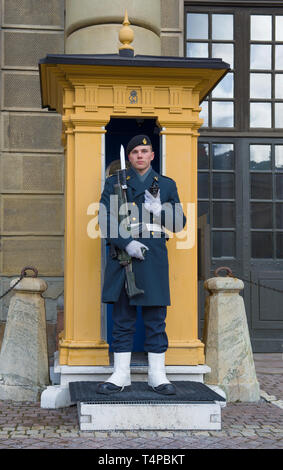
(244, 426)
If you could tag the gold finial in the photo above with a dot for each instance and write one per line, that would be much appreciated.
(126, 34)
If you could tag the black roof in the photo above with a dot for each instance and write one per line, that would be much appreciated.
(134, 61)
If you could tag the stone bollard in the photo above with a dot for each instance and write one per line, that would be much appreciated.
(228, 349)
(23, 358)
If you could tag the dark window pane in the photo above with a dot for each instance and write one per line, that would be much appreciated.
(260, 157)
(279, 245)
(203, 185)
(203, 208)
(279, 215)
(261, 186)
(223, 214)
(223, 156)
(261, 244)
(261, 215)
(223, 244)
(203, 156)
(223, 186)
(197, 26)
(279, 186)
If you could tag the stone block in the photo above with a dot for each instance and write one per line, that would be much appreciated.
(44, 253)
(4, 303)
(103, 39)
(170, 14)
(21, 91)
(228, 349)
(31, 173)
(51, 295)
(35, 12)
(90, 12)
(23, 358)
(32, 132)
(24, 49)
(32, 215)
(148, 416)
(170, 45)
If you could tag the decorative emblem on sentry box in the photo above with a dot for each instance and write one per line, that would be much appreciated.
(133, 97)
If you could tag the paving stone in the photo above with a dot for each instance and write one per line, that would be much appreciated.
(244, 425)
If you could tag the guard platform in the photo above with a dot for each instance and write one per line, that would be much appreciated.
(195, 406)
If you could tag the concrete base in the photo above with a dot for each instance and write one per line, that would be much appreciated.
(57, 395)
(19, 392)
(148, 416)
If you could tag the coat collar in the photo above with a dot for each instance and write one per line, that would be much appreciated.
(138, 186)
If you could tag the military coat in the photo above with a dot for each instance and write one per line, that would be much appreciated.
(152, 273)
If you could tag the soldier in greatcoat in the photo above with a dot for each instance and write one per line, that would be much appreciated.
(149, 264)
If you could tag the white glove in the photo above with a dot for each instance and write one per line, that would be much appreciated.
(134, 249)
(151, 203)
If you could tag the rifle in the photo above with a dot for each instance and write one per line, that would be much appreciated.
(123, 218)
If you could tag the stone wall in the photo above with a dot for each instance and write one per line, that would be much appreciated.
(172, 27)
(31, 155)
(92, 26)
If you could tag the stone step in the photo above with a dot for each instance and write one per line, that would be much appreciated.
(149, 416)
(195, 406)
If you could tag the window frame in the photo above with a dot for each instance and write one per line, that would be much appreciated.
(241, 67)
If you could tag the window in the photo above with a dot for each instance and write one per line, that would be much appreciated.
(266, 200)
(266, 71)
(212, 35)
(216, 195)
(250, 96)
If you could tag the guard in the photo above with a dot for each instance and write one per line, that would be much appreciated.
(137, 266)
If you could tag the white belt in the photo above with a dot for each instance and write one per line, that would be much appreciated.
(154, 228)
(150, 227)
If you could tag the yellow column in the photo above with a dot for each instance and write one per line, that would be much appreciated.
(182, 318)
(81, 342)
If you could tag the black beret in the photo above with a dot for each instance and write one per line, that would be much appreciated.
(137, 140)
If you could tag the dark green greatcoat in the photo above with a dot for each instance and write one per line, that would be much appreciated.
(152, 274)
